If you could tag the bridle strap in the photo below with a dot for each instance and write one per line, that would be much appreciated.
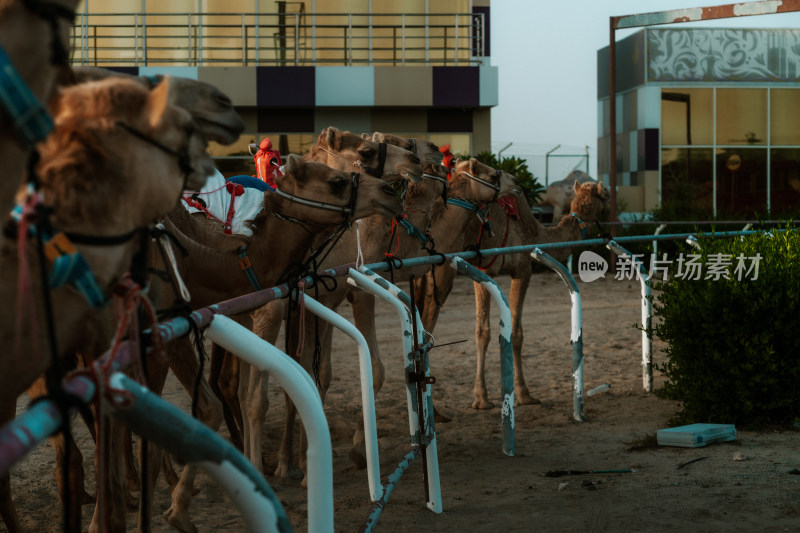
(487, 183)
(581, 223)
(30, 118)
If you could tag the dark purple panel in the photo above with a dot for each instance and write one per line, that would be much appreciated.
(285, 86)
(286, 120)
(456, 86)
(133, 71)
(648, 149)
(449, 120)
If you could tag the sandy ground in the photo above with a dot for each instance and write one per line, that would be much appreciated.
(485, 490)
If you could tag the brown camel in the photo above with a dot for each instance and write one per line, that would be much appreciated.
(37, 47)
(509, 231)
(235, 384)
(276, 247)
(375, 241)
(118, 157)
(215, 117)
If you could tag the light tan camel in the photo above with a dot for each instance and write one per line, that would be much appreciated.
(112, 165)
(508, 231)
(209, 284)
(375, 241)
(231, 378)
(30, 40)
(214, 115)
(560, 194)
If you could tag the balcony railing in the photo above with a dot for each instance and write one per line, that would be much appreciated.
(282, 39)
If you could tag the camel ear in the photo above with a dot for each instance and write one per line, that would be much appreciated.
(332, 137)
(294, 166)
(157, 101)
(378, 137)
(366, 137)
(577, 186)
(600, 189)
(472, 162)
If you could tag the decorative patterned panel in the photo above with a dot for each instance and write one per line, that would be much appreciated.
(723, 55)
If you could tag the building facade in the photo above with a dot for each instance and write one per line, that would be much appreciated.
(413, 68)
(705, 120)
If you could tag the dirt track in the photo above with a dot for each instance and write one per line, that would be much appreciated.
(484, 490)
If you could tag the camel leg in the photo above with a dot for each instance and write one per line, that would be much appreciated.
(266, 322)
(364, 316)
(217, 368)
(78, 495)
(111, 490)
(482, 333)
(209, 410)
(7, 511)
(286, 467)
(519, 287)
(228, 384)
(444, 279)
(131, 470)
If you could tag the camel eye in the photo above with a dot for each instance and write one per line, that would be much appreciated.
(339, 186)
(367, 153)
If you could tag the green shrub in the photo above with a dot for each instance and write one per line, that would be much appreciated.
(733, 349)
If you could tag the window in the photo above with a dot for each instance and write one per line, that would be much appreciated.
(687, 116)
(741, 180)
(784, 192)
(784, 127)
(742, 116)
(687, 182)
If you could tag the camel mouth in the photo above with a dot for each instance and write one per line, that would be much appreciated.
(389, 208)
(223, 132)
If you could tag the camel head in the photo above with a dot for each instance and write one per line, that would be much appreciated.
(590, 200)
(30, 42)
(210, 108)
(119, 156)
(434, 184)
(317, 182)
(475, 181)
(347, 151)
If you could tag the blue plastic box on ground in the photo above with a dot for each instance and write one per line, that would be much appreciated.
(696, 435)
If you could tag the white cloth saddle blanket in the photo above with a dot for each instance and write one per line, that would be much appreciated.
(247, 203)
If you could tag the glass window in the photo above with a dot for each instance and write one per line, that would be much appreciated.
(784, 184)
(741, 180)
(742, 116)
(686, 116)
(629, 111)
(686, 182)
(784, 128)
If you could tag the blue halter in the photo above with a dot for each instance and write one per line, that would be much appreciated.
(582, 224)
(31, 120)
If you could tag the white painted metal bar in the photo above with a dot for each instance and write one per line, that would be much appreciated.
(659, 229)
(576, 335)
(303, 392)
(374, 284)
(195, 443)
(367, 392)
(506, 348)
(647, 315)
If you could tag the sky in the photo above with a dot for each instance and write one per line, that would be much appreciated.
(546, 54)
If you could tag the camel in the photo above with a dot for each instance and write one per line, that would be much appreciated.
(208, 284)
(589, 202)
(119, 157)
(376, 238)
(214, 115)
(560, 194)
(36, 44)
